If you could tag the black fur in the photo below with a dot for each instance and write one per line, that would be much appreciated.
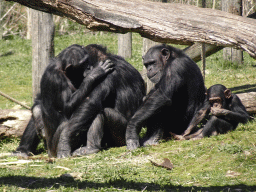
(225, 117)
(169, 107)
(84, 102)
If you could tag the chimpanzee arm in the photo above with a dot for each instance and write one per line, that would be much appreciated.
(151, 105)
(237, 112)
(86, 87)
(83, 117)
(198, 117)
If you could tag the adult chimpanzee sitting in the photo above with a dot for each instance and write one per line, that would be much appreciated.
(177, 96)
(94, 119)
(106, 109)
(224, 111)
(66, 82)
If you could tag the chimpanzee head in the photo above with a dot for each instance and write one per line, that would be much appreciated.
(156, 58)
(75, 62)
(218, 95)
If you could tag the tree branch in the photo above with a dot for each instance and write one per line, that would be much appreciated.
(162, 22)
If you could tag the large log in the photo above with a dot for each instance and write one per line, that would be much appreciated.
(168, 23)
(249, 101)
(13, 122)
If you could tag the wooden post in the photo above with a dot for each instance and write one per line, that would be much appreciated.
(234, 7)
(29, 20)
(203, 54)
(125, 45)
(1, 11)
(42, 35)
(147, 43)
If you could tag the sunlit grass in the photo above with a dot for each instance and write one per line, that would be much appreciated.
(220, 163)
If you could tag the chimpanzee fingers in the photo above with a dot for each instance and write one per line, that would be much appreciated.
(217, 111)
(107, 65)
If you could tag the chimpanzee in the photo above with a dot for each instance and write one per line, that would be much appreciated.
(224, 111)
(102, 117)
(65, 83)
(33, 133)
(178, 94)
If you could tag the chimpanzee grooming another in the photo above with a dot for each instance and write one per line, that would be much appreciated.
(102, 117)
(177, 96)
(224, 111)
(66, 82)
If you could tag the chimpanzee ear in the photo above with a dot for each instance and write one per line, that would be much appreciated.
(165, 53)
(227, 93)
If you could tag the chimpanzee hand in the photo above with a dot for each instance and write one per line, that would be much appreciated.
(107, 66)
(103, 68)
(218, 111)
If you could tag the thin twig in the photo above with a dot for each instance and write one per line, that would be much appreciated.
(7, 12)
(14, 100)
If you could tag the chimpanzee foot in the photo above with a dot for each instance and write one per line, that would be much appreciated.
(82, 151)
(151, 141)
(132, 144)
(177, 137)
(63, 154)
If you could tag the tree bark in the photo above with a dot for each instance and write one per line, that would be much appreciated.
(229, 53)
(42, 35)
(249, 101)
(1, 11)
(147, 43)
(125, 45)
(162, 22)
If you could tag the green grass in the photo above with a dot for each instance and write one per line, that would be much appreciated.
(220, 163)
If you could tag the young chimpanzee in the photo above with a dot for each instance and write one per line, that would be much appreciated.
(66, 82)
(169, 107)
(224, 111)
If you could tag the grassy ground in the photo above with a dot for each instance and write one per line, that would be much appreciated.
(220, 163)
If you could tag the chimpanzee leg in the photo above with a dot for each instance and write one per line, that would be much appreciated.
(215, 126)
(94, 137)
(155, 132)
(116, 125)
(29, 141)
(32, 134)
(39, 124)
(60, 144)
(153, 137)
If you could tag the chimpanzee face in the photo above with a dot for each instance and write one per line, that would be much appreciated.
(218, 96)
(216, 102)
(154, 61)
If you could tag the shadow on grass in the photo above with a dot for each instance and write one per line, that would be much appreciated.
(56, 183)
(244, 88)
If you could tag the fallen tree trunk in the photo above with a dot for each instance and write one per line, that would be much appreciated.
(195, 51)
(13, 122)
(162, 22)
(249, 101)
